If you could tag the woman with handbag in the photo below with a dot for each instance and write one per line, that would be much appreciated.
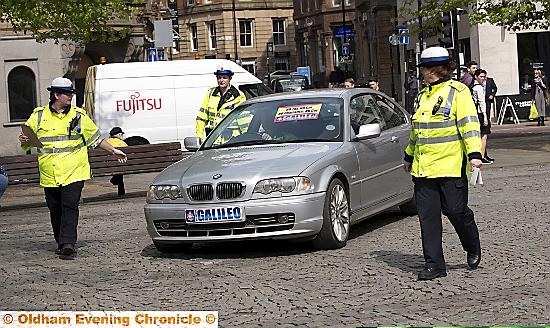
(538, 88)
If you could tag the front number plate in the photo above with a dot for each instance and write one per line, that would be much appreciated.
(215, 214)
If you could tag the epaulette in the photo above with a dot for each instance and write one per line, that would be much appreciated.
(78, 109)
(37, 109)
(459, 86)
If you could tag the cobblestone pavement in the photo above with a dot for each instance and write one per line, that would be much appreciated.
(372, 281)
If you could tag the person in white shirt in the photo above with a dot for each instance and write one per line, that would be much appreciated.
(478, 94)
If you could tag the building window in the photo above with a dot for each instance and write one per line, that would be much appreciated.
(21, 93)
(249, 66)
(194, 37)
(339, 2)
(191, 2)
(212, 34)
(278, 31)
(245, 30)
(281, 63)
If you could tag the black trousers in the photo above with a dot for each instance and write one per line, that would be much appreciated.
(63, 204)
(450, 197)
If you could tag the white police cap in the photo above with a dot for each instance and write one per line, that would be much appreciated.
(61, 84)
(434, 56)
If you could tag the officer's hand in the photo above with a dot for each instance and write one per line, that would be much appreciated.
(120, 155)
(475, 163)
(23, 139)
(407, 166)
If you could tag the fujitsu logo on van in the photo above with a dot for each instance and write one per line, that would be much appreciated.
(135, 103)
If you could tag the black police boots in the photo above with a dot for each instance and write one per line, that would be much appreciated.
(431, 273)
(473, 259)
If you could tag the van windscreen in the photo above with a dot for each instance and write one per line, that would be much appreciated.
(254, 90)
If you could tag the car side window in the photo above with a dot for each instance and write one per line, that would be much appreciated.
(393, 116)
(363, 110)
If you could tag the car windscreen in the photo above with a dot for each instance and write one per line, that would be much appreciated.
(254, 90)
(280, 121)
(293, 84)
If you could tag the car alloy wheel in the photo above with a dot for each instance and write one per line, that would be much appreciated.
(339, 213)
(336, 221)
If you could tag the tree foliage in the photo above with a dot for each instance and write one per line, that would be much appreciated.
(78, 20)
(512, 14)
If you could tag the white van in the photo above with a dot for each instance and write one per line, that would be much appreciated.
(156, 102)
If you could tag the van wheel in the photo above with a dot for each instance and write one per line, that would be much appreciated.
(409, 208)
(171, 247)
(336, 219)
(136, 141)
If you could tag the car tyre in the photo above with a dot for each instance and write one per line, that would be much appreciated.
(171, 247)
(336, 218)
(409, 208)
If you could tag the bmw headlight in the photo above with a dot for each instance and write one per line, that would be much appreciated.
(284, 185)
(163, 191)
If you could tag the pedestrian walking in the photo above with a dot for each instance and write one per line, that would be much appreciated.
(218, 103)
(538, 88)
(490, 94)
(444, 138)
(336, 78)
(65, 133)
(116, 140)
(374, 84)
(478, 95)
(349, 83)
(468, 77)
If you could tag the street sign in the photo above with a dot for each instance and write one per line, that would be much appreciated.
(160, 54)
(394, 39)
(345, 49)
(305, 71)
(403, 34)
(152, 54)
(270, 50)
(164, 36)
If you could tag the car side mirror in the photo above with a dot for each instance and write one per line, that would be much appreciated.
(369, 131)
(191, 143)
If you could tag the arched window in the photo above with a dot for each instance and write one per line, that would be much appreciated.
(22, 93)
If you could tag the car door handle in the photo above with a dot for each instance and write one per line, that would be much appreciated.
(394, 139)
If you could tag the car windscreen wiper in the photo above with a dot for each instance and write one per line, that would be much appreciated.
(245, 143)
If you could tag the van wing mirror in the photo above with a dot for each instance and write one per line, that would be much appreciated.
(191, 143)
(369, 131)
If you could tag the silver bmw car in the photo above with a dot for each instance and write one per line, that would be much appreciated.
(304, 165)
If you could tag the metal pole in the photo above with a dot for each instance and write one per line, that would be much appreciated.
(454, 14)
(344, 33)
(234, 30)
(420, 32)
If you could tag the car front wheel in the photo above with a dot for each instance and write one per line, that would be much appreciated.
(336, 218)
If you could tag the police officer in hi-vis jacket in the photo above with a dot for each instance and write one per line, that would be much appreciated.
(218, 103)
(66, 133)
(444, 146)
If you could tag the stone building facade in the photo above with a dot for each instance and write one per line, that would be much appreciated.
(206, 29)
(320, 36)
(28, 67)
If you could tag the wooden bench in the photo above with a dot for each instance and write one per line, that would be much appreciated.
(141, 159)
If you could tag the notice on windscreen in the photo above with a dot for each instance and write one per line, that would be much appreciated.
(297, 113)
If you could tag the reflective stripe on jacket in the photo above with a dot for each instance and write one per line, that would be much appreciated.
(445, 129)
(65, 137)
(210, 115)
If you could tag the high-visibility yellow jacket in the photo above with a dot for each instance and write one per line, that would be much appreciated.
(65, 137)
(445, 130)
(212, 111)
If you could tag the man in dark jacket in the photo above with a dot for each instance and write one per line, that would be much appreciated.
(490, 93)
